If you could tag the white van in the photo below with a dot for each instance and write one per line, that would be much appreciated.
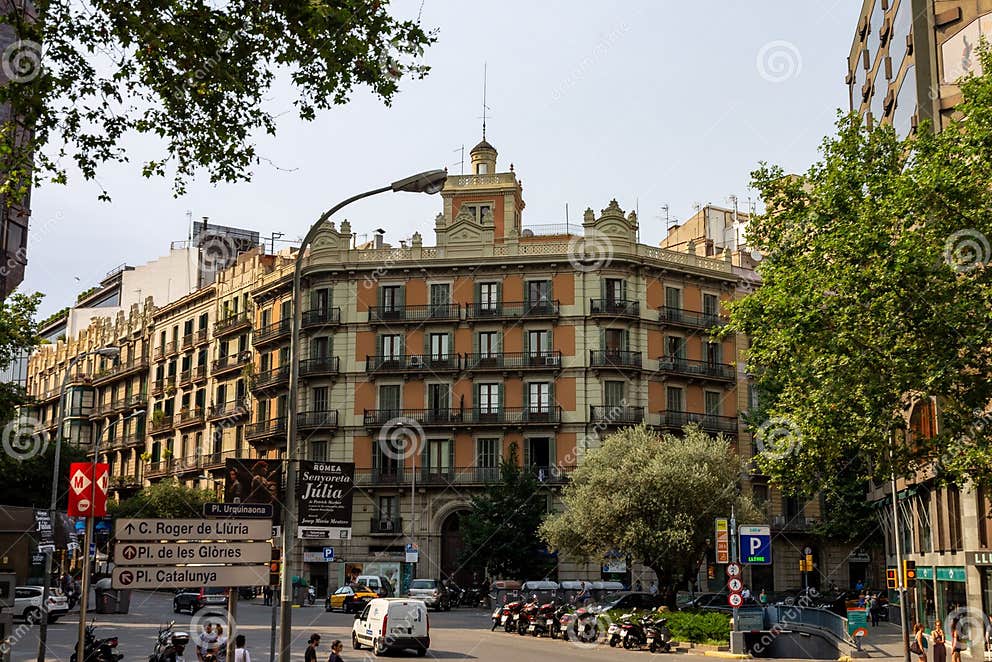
(392, 624)
(379, 584)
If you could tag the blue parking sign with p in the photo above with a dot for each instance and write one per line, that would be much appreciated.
(756, 545)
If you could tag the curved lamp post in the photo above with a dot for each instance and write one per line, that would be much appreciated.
(430, 182)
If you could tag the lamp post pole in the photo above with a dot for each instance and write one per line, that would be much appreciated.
(425, 182)
(85, 590)
(53, 505)
(900, 579)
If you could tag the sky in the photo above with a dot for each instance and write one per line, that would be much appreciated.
(653, 103)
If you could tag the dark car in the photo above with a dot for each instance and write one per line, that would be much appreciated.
(195, 599)
(715, 602)
(626, 601)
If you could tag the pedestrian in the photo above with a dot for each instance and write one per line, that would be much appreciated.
(919, 643)
(637, 586)
(958, 643)
(267, 596)
(746, 593)
(336, 648)
(653, 588)
(872, 607)
(205, 641)
(220, 645)
(240, 652)
(312, 643)
(939, 642)
(860, 586)
(763, 598)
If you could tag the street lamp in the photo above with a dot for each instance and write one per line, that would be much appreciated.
(85, 589)
(105, 352)
(431, 181)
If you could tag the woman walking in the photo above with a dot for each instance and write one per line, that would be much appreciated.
(958, 643)
(919, 644)
(939, 642)
(336, 648)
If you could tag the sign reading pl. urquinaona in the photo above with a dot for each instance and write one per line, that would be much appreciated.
(192, 529)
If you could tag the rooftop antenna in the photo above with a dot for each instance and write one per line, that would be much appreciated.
(485, 76)
(670, 221)
(461, 161)
(732, 199)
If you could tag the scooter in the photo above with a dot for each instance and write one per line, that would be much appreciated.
(618, 631)
(311, 595)
(544, 621)
(508, 613)
(98, 650)
(527, 615)
(169, 645)
(559, 622)
(582, 625)
(658, 636)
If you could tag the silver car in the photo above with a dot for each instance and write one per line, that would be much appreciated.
(432, 592)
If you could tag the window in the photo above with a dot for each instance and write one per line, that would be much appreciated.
(613, 394)
(488, 399)
(387, 509)
(712, 403)
(202, 323)
(711, 305)
(391, 298)
(318, 451)
(392, 347)
(440, 294)
(266, 362)
(187, 328)
(488, 344)
(614, 340)
(615, 290)
(539, 292)
(675, 347)
(675, 399)
(673, 298)
(925, 534)
(538, 342)
(479, 212)
(439, 346)
(487, 453)
(714, 353)
(488, 296)
(440, 456)
(319, 398)
(759, 492)
(389, 397)
(539, 398)
(439, 400)
(320, 299)
(320, 348)
(954, 518)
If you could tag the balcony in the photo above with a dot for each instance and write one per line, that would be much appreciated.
(125, 483)
(793, 522)
(324, 366)
(616, 415)
(317, 317)
(689, 319)
(185, 377)
(201, 337)
(161, 425)
(134, 401)
(380, 476)
(317, 420)
(232, 324)
(188, 340)
(271, 379)
(228, 410)
(475, 312)
(158, 468)
(262, 431)
(709, 370)
(615, 359)
(447, 476)
(159, 386)
(172, 348)
(386, 525)
(159, 352)
(272, 332)
(437, 312)
(506, 361)
(190, 463)
(199, 372)
(460, 418)
(227, 364)
(190, 417)
(216, 460)
(676, 420)
(133, 438)
(121, 370)
(412, 363)
(614, 308)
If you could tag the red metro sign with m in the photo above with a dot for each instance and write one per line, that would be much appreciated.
(84, 500)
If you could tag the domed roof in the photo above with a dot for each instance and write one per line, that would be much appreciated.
(483, 145)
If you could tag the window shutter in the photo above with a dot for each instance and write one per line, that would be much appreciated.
(427, 343)
(526, 453)
(526, 294)
(381, 292)
(718, 352)
(379, 345)
(451, 456)
(526, 342)
(602, 339)
(478, 294)
(603, 289)
(499, 292)
(551, 397)
(425, 458)
(402, 344)
(626, 340)
(451, 345)
(499, 394)
(401, 297)
(526, 397)
(552, 457)
(475, 347)
(623, 290)
(476, 398)
(499, 341)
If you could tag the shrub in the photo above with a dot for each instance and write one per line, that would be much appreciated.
(700, 627)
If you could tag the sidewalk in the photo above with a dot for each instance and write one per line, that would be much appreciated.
(885, 640)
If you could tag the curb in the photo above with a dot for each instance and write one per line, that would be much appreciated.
(727, 655)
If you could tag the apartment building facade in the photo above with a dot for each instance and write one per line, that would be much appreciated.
(424, 365)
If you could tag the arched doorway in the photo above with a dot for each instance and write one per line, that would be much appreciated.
(451, 549)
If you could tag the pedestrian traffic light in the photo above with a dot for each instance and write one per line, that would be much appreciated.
(274, 567)
(891, 580)
(909, 573)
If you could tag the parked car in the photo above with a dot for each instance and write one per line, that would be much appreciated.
(432, 592)
(377, 583)
(28, 605)
(393, 624)
(715, 602)
(195, 599)
(248, 592)
(627, 601)
(349, 598)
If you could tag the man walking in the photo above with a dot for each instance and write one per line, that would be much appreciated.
(311, 653)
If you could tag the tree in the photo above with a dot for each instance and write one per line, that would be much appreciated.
(168, 498)
(875, 294)
(651, 497)
(195, 75)
(501, 530)
(27, 472)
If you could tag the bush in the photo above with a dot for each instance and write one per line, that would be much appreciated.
(700, 627)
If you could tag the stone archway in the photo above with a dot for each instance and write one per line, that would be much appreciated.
(451, 549)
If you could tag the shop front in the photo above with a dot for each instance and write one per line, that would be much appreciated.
(940, 591)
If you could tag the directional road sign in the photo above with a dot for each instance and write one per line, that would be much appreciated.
(142, 553)
(756, 545)
(239, 510)
(190, 575)
(193, 529)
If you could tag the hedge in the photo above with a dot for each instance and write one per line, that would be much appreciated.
(691, 626)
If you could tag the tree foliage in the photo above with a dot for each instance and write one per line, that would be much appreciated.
(876, 293)
(168, 498)
(27, 476)
(651, 497)
(501, 530)
(197, 76)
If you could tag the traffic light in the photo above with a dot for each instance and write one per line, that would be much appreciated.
(274, 567)
(909, 573)
(891, 580)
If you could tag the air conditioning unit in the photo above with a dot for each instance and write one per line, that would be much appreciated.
(551, 360)
(386, 525)
(416, 362)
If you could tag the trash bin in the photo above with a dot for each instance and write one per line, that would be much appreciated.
(123, 600)
(106, 601)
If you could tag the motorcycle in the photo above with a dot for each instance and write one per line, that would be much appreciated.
(658, 636)
(618, 631)
(543, 621)
(98, 650)
(559, 622)
(311, 595)
(507, 615)
(169, 645)
(581, 625)
(527, 615)
(633, 632)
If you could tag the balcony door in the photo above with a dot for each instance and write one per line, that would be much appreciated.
(538, 400)
(675, 402)
(389, 401)
(539, 456)
(440, 299)
(440, 347)
(439, 459)
(613, 395)
(387, 512)
(488, 297)
(438, 402)
(614, 291)
(488, 401)
(488, 347)
(487, 460)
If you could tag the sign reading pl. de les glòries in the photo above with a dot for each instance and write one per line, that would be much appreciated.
(325, 493)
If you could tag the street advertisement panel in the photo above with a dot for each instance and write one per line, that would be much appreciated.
(254, 481)
(325, 495)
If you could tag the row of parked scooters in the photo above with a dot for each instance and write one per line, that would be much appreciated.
(169, 646)
(571, 623)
